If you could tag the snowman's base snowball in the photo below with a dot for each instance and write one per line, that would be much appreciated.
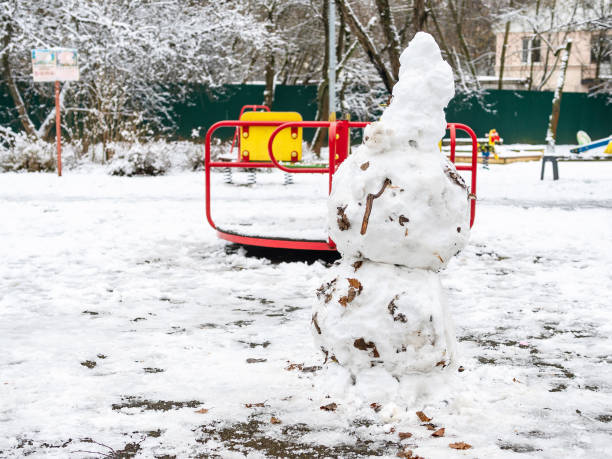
(379, 315)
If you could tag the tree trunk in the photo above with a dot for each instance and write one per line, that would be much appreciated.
(26, 122)
(269, 91)
(419, 15)
(553, 120)
(502, 59)
(367, 44)
(269, 71)
(391, 36)
(441, 39)
(530, 81)
(462, 42)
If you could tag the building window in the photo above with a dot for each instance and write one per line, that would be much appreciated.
(601, 48)
(525, 54)
(531, 50)
(535, 50)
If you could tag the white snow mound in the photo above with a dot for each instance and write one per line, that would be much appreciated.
(381, 315)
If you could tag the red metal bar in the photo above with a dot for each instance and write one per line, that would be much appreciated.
(276, 243)
(253, 108)
(338, 149)
(453, 140)
(473, 167)
(58, 128)
(309, 124)
(331, 142)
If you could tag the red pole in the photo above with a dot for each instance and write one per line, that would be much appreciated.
(58, 129)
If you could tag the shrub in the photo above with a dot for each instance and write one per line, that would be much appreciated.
(139, 159)
(20, 153)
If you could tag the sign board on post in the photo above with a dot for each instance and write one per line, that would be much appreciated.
(58, 64)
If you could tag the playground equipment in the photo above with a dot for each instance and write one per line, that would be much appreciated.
(264, 128)
(606, 142)
(488, 147)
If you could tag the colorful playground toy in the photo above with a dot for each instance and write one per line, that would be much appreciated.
(489, 147)
(264, 128)
(607, 142)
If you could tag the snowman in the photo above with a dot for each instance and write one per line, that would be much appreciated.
(398, 212)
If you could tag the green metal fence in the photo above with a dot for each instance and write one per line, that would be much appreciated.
(522, 116)
(519, 116)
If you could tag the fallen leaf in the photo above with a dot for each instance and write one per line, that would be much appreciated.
(404, 435)
(294, 366)
(375, 406)
(202, 411)
(460, 369)
(516, 380)
(343, 221)
(365, 165)
(422, 416)
(254, 405)
(441, 363)
(355, 283)
(330, 407)
(430, 426)
(255, 360)
(357, 265)
(407, 454)
(438, 433)
(460, 445)
(362, 345)
(311, 369)
(274, 420)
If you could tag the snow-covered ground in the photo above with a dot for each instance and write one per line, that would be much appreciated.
(128, 329)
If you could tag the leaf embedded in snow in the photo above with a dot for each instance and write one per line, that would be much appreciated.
(438, 433)
(422, 416)
(293, 366)
(404, 435)
(460, 445)
(375, 406)
(362, 345)
(330, 407)
(274, 420)
(254, 405)
(343, 222)
(202, 411)
(355, 284)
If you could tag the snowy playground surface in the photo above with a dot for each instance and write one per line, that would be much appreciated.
(126, 324)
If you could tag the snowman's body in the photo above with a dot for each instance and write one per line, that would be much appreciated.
(398, 213)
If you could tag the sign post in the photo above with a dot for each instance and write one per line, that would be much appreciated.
(58, 64)
(58, 128)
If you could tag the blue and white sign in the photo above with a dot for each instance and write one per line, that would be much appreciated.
(57, 64)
